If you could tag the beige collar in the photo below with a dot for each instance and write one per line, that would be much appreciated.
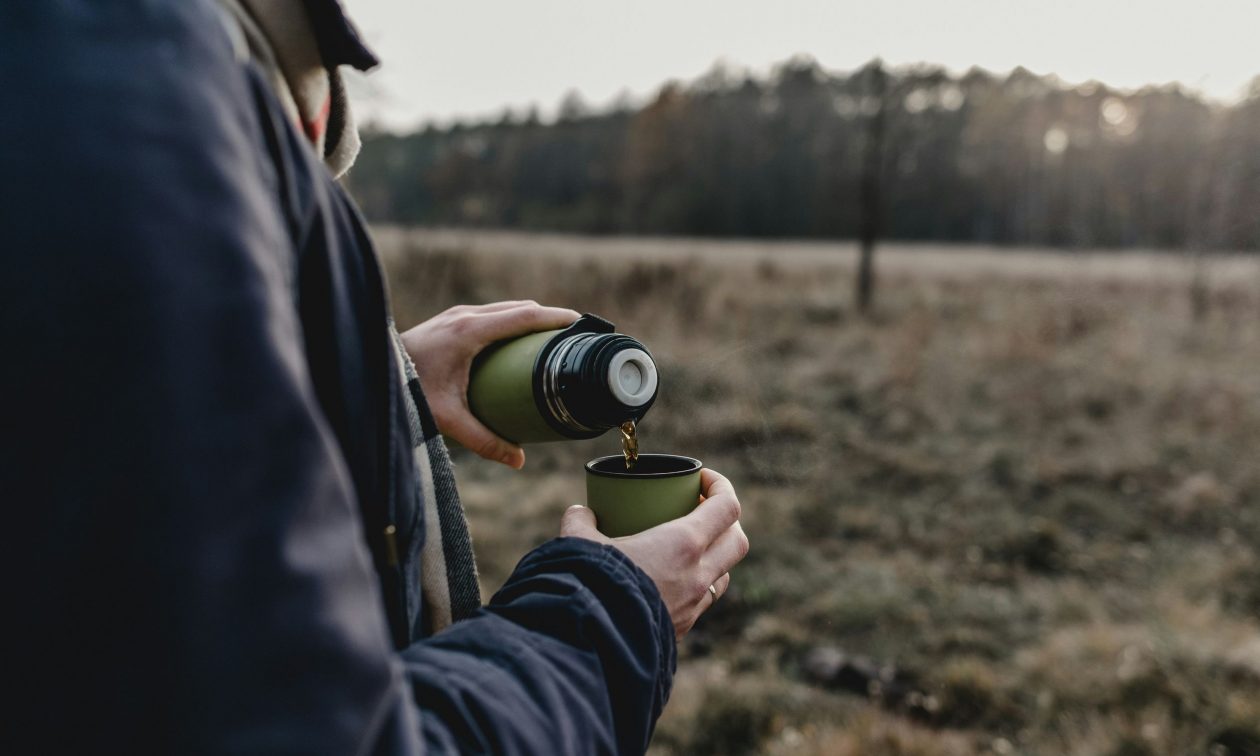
(282, 41)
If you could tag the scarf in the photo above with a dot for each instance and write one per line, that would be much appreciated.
(280, 37)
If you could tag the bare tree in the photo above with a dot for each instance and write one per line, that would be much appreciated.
(1211, 181)
(870, 194)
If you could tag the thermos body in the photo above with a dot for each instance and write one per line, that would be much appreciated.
(501, 390)
(571, 383)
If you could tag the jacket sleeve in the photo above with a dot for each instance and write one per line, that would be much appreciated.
(574, 653)
(195, 577)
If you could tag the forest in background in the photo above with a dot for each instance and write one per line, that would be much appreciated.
(1015, 159)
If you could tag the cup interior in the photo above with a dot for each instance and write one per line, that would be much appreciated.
(648, 466)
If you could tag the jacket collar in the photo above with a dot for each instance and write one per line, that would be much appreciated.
(339, 41)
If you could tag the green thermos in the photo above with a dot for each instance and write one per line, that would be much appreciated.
(573, 383)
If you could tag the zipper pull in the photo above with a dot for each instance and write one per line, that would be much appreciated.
(391, 545)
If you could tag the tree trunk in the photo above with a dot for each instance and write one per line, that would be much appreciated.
(870, 190)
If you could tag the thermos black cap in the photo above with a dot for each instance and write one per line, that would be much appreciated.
(592, 379)
(587, 380)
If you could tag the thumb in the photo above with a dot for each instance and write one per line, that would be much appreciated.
(579, 521)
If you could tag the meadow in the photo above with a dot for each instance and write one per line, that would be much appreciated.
(1014, 510)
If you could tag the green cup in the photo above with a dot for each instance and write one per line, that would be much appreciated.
(660, 488)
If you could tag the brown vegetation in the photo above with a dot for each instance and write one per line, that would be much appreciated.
(1028, 503)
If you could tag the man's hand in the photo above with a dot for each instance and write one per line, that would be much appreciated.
(684, 556)
(443, 348)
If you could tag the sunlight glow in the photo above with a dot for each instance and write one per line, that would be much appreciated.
(1056, 140)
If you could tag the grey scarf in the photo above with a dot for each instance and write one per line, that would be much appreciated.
(277, 34)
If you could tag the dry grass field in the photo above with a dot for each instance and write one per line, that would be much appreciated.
(1016, 511)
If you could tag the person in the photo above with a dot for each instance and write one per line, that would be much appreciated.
(235, 528)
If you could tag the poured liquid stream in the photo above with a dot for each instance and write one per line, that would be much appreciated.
(630, 443)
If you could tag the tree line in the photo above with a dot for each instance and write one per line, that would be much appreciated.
(973, 157)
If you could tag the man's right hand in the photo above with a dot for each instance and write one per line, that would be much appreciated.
(684, 556)
(443, 348)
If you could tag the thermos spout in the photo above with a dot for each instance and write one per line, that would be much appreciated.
(632, 377)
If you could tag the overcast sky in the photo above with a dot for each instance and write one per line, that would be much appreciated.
(462, 58)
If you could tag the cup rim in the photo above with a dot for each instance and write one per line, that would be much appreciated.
(694, 465)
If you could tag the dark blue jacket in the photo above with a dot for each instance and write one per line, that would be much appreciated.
(203, 439)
